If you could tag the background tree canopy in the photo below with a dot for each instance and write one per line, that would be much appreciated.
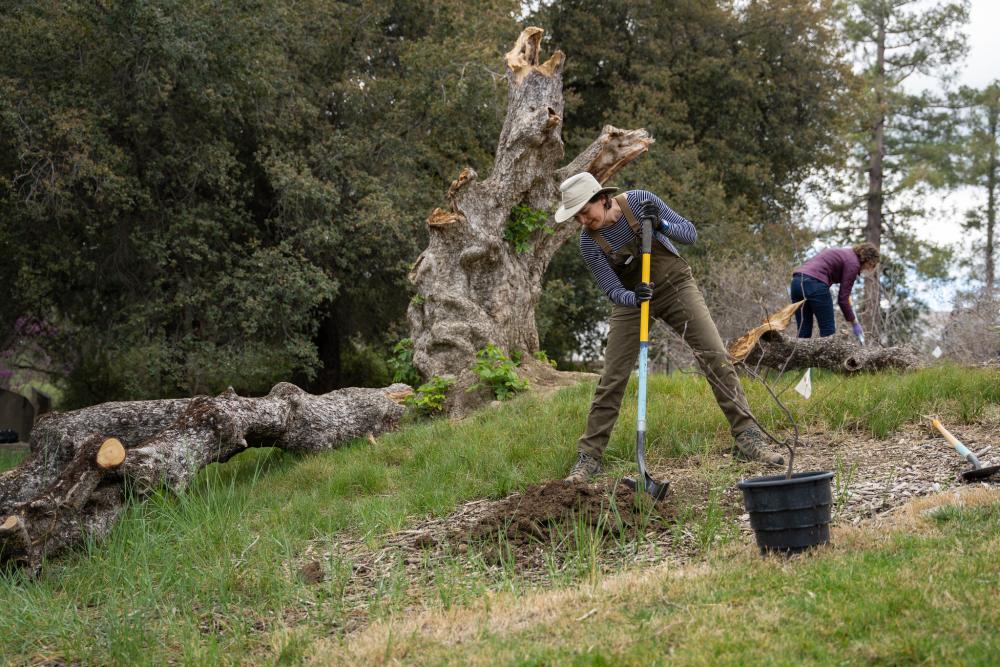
(195, 195)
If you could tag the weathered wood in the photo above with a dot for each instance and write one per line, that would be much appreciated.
(473, 287)
(840, 353)
(58, 436)
(87, 495)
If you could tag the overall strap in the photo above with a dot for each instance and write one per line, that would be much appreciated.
(632, 222)
(599, 240)
(629, 215)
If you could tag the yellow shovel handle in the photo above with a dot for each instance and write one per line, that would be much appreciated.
(644, 306)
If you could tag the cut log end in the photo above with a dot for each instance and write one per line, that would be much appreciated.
(111, 454)
(441, 218)
(617, 148)
(467, 174)
(852, 364)
(400, 397)
(9, 525)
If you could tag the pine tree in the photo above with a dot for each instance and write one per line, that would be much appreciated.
(894, 40)
(981, 168)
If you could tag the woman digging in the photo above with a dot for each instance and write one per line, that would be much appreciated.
(610, 245)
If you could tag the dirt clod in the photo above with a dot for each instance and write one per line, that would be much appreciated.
(552, 510)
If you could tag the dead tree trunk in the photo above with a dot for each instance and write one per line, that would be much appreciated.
(154, 444)
(840, 353)
(473, 287)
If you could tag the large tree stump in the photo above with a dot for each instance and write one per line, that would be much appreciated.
(162, 444)
(473, 287)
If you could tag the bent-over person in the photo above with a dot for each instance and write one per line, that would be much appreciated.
(610, 244)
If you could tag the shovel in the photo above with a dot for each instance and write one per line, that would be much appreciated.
(978, 471)
(658, 490)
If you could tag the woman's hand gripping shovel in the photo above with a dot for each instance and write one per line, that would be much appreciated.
(658, 490)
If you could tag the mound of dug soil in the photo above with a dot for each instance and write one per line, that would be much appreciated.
(552, 510)
(553, 516)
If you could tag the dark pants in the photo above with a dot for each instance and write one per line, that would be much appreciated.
(676, 301)
(818, 303)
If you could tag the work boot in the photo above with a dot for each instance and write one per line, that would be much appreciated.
(586, 466)
(751, 445)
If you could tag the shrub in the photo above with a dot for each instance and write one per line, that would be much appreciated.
(428, 398)
(496, 371)
(523, 222)
(401, 363)
(544, 358)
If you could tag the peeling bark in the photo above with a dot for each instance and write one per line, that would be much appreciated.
(840, 353)
(473, 287)
(152, 444)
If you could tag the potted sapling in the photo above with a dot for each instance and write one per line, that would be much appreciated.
(789, 513)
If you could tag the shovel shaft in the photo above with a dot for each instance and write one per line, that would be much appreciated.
(959, 447)
(643, 372)
(644, 306)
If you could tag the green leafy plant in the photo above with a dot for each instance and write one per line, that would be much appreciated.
(496, 371)
(544, 358)
(401, 363)
(522, 223)
(428, 398)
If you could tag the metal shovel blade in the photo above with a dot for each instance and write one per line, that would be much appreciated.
(658, 490)
(980, 473)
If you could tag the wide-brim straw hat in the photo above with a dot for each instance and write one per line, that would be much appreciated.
(576, 192)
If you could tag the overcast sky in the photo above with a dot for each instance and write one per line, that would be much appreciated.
(984, 45)
(982, 66)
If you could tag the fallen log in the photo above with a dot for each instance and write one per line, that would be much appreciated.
(87, 494)
(840, 353)
(58, 436)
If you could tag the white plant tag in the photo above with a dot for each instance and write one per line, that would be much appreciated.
(937, 352)
(805, 385)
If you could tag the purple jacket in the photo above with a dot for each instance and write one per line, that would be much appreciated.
(835, 265)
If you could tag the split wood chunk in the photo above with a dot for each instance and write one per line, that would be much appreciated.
(111, 454)
(523, 58)
(9, 525)
(778, 321)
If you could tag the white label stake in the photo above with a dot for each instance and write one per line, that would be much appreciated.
(805, 386)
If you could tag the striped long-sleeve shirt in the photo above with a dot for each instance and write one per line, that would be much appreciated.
(617, 235)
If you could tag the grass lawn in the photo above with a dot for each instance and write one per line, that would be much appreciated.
(211, 577)
(918, 590)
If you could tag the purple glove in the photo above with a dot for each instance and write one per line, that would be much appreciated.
(856, 328)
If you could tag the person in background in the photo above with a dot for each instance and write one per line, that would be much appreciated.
(610, 246)
(812, 281)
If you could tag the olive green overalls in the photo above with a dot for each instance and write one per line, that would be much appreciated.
(676, 301)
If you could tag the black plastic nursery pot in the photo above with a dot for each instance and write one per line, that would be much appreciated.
(789, 515)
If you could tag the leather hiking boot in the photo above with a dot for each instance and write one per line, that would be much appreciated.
(751, 445)
(586, 466)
